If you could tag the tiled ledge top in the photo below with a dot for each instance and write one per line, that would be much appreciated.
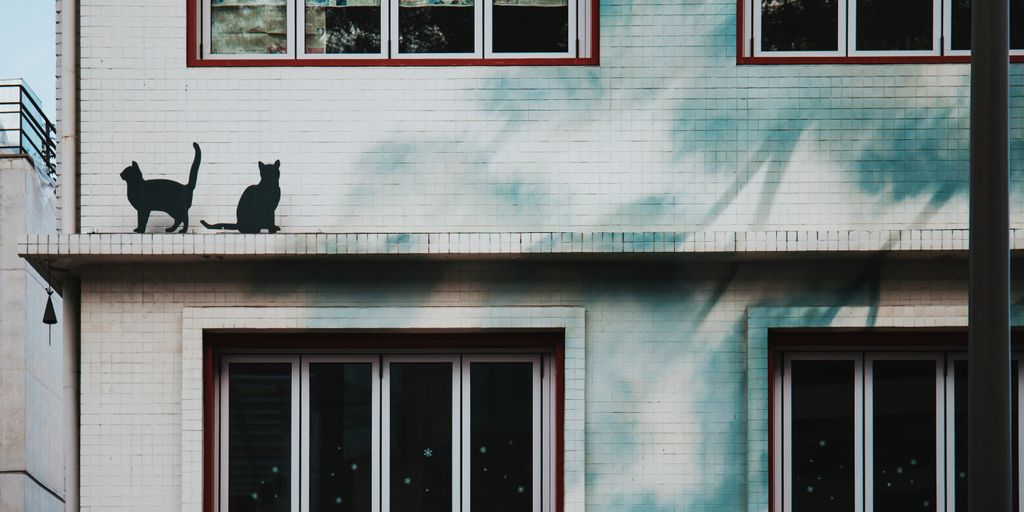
(119, 247)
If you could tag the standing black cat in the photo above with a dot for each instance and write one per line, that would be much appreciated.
(256, 207)
(168, 196)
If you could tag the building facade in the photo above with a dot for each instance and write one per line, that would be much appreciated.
(629, 255)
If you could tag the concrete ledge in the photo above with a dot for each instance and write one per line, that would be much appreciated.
(66, 252)
(501, 243)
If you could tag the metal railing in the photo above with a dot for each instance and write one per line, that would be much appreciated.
(24, 128)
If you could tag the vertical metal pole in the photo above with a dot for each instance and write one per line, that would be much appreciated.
(21, 120)
(988, 423)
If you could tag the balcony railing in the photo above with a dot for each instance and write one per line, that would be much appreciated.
(25, 129)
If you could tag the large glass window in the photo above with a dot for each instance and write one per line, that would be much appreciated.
(389, 29)
(875, 432)
(867, 28)
(384, 432)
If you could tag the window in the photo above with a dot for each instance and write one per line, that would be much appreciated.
(865, 28)
(874, 431)
(378, 31)
(396, 431)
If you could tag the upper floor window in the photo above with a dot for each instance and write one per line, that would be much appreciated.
(383, 31)
(866, 28)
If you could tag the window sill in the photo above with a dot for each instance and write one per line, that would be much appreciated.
(895, 59)
(325, 62)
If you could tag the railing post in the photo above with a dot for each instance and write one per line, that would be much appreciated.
(21, 120)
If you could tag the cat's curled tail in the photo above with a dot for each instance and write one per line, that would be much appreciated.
(218, 226)
(194, 173)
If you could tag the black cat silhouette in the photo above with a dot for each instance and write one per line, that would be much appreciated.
(256, 207)
(167, 196)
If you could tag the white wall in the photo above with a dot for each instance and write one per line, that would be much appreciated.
(667, 134)
(666, 361)
(31, 437)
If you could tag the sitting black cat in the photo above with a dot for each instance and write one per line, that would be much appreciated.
(168, 196)
(256, 207)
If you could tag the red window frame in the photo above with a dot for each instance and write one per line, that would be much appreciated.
(215, 342)
(194, 59)
(743, 56)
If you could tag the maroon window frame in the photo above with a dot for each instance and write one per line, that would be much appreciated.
(743, 58)
(215, 342)
(193, 58)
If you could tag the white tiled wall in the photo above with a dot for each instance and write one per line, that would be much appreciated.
(667, 134)
(666, 357)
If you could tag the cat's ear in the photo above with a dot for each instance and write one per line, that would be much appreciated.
(135, 164)
(262, 165)
(277, 163)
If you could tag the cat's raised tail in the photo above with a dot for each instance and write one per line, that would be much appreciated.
(218, 226)
(194, 173)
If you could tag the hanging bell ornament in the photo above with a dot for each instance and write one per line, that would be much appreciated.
(49, 316)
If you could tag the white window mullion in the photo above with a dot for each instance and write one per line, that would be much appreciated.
(205, 24)
(296, 451)
(949, 381)
(844, 43)
(548, 379)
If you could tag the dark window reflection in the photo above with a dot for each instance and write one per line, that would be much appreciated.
(961, 25)
(436, 26)
(799, 25)
(342, 26)
(501, 437)
(421, 437)
(527, 26)
(894, 25)
(259, 437)
(904, 435)
(823, 436)
(340, 449)
(960, 441)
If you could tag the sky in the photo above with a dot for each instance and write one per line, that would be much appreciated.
(27, 47)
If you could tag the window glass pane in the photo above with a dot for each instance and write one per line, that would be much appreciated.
(823, 436)
(421, 437)
(960, 440)
(340, 436)
(961, 25)
(436, 26)
(894, 25)
(904, 435)
(259, 437)
(248, 26)
(342, 26)
(530, 26)
(501, 436)
(799, 25)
